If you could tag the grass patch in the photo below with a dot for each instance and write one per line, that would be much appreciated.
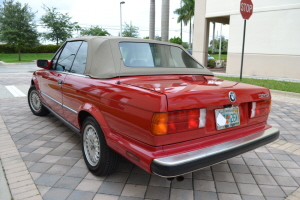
(26, 57)
(216, 56)
(272, 84)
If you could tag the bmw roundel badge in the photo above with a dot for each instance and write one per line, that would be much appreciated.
(232, 96)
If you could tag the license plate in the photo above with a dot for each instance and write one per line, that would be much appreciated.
(227, 117)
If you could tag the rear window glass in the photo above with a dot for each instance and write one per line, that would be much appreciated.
(155, 55)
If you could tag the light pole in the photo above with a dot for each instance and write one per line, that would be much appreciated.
(220, 44)
(122, 2)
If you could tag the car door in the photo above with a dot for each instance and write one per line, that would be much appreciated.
(75, 86)
(52, 80)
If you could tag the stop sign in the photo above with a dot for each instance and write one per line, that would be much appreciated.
(246, 8)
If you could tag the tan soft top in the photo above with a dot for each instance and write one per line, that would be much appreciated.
(104, 59)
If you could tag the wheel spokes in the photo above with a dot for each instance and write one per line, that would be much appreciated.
(91, 145)
(35, 101)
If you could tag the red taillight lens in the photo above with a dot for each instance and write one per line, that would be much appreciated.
(180, 121)
(260, 108)
(177, 121)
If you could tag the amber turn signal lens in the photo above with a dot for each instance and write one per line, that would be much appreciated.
(159, 125)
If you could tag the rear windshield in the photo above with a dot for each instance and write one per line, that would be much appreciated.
(155, 55)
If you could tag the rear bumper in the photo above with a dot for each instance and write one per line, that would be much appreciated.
(187, 162)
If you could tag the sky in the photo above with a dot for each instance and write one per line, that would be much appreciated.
(106, 14)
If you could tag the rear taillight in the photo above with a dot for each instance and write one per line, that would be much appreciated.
(178, 121)
(260, 108)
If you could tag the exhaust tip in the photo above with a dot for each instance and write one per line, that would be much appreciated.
(170, 179)
(179, 178)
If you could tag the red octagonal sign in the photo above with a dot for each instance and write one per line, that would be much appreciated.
(246, 8)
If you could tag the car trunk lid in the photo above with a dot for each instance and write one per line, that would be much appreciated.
(186, 92)
(196, 91)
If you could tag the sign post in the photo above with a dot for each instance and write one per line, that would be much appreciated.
(246, 10)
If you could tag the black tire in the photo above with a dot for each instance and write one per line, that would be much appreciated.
(101, 161)
(35, 102)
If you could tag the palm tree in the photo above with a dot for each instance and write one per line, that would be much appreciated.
(165, 8)
(185, 14)
(152, 20)
(181, 23)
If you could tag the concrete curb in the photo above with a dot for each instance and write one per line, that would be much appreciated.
(4, 190)
(19, 180)
(259, 77)
(283, 96)
(23, 63)
(286, 94)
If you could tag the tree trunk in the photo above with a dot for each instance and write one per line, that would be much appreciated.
(190, 35)
(56, 41)
(165, 9)
(181, 23)
(19, 52)
(181, 30)
(152, 20)
(213, 39)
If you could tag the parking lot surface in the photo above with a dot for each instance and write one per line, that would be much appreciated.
(42, 159)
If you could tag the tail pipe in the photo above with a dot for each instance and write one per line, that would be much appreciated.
(178, 178)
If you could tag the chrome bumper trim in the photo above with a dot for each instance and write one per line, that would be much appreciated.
(216, 152)
(59, 103)
(46, 95)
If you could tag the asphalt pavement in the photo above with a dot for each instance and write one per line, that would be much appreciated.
(18, 68)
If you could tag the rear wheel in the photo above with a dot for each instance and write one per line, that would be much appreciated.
(35, 102)
(99, 158)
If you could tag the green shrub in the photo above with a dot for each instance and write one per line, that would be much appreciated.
(4, 48)
(7, 49)
(217, 51)
(185, 45)
(211, 63)
(176, 40)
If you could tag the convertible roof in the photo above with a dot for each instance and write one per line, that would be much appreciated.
(104, 59)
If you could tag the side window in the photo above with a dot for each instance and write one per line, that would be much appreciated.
(54, 60)
(67, 56)
(78, 66)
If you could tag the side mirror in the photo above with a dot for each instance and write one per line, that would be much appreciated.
(42, 63)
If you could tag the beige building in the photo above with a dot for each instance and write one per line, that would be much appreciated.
(272, 44)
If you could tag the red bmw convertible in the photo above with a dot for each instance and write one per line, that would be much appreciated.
(150, 102)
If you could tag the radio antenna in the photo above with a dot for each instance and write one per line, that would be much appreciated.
(119, 71)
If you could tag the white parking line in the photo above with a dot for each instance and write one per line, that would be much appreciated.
(15, 91)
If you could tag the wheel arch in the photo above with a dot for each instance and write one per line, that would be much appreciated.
(91, 110)
(34, 81)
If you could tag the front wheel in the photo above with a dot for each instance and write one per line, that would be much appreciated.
(99, 158)
(35, 102)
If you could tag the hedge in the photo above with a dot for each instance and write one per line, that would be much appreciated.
(4, 48)
(217, 51)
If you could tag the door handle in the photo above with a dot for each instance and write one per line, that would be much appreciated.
(60, 81)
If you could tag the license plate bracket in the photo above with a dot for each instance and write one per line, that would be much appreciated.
(227, 117)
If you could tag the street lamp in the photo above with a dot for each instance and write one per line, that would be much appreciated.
(122, 2)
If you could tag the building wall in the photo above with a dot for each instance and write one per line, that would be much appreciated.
(200, 32)
(272, 44)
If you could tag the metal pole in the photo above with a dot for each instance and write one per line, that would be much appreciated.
(241, 74)
(152, 20)
(220, 45)
(165, 11)
(213, 40)
(122, 2)
(181, 23)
